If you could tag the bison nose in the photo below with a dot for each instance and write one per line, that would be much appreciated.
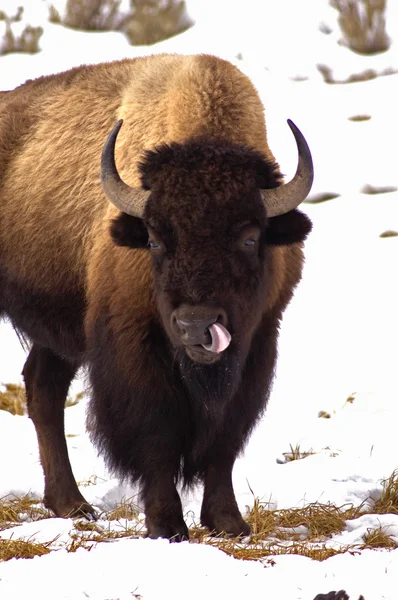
(194, 332)
(193, 329)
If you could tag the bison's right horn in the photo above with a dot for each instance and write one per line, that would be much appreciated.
(128, 199)
(285, 198)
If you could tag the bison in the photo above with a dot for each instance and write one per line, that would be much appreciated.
(164, 269)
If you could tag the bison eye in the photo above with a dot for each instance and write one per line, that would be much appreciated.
(248, 240)
(152, 245)
(250, 243)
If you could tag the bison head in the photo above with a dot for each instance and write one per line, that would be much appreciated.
(210, 213)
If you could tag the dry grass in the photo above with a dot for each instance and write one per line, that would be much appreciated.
(388, 501)
(363, 25)
(126, 509)
(389, 233)
(322, 414)
(88, 534)
(13, 40)
(364, 75)
(147, 22)
(303, 531)
(359, 118)
(155, 20)
(378, 538)
(255, 548)
(296, 453)
(73, 400)
(315, 521)
(16, 510)
(380, 189)
(89, 15)
(306, 531)
(22, 549)
(13, 399)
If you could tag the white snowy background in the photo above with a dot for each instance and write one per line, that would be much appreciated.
(339, 337)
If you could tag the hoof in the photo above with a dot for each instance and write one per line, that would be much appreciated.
(73, 509)
(174, 534)
(226, 526)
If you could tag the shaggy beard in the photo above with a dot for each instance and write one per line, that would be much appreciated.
(210, 386)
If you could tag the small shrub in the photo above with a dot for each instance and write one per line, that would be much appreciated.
(155, 20)
(89, 15)
(146, 21)
(15, 37)
(363, 25)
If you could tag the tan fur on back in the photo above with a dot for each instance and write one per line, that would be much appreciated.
(52, 131)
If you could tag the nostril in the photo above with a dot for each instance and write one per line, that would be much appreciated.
(174, 324)
(181, 328)
(180, 325)
(222, 319)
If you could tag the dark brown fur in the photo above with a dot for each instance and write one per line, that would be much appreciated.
(77, 278)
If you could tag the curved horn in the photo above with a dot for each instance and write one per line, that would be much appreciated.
(128, 199)
(285, 198)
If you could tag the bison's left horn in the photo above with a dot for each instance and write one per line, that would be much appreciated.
(128, 199)
(281, 200)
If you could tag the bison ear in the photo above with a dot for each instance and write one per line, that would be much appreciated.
(289, 228)
(129, 231)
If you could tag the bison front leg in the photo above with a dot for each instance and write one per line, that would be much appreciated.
(163, 510)
(220, 512)
(47, 380)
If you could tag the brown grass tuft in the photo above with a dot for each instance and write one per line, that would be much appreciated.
(359, 118)
(25, 41)
(378, 538)
(147, 22)
(87, 535)
(377, 189)
(363, 25)
(22, 549)
(89, 15)
(364, 75)
(19, 510)
(13, 399)
(389, 233)
(73, 400)
(126, 509)
(296, 453)
(315, 521)
(388, 501)
(255, 548)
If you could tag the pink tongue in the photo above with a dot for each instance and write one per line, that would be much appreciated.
(220, 338)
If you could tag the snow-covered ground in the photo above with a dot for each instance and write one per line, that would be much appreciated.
(339, 337)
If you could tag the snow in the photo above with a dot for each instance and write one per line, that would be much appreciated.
(338, 340)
